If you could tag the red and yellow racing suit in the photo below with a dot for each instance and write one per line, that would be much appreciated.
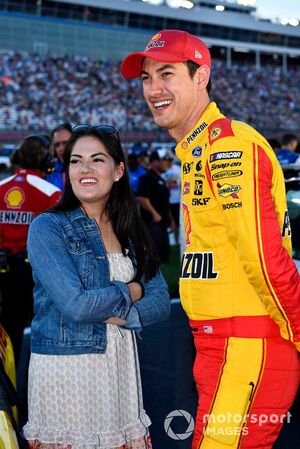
(239, 285)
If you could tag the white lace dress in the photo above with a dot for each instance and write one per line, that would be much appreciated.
(89, 401)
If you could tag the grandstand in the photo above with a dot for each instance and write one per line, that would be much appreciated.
(258, 58)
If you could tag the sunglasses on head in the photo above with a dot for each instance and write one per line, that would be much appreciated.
(104, 129)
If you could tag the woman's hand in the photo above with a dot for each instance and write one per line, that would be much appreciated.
(136, 291)
(115, 320)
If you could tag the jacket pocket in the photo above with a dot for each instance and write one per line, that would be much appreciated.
(229, 412)
(81, 253)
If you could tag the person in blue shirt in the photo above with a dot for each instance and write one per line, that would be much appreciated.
(135, 170)
(60, 136)
(97, 281)
(287, 154)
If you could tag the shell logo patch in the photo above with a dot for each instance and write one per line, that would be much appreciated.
(184, 145)
(215, 133)
(14, 197)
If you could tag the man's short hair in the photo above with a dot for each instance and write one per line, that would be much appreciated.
(288, 138)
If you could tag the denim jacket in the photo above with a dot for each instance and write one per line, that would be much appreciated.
(73, 294)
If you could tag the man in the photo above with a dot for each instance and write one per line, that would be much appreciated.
(287, 154)
(22, 197)
(153, 197)
(60, 136)
(135, 170)
(239, 286)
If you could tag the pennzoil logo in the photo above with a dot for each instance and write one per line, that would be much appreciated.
(14, 197)
(226, 190)
(196, 132)
(215, 133)
(198, 266)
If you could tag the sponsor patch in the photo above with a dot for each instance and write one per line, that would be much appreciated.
(184, 145)
(16, 217)
(224, 165)
(226, 174)
(197, 151)
(200, 201)
(225, 155)
(154, 42)
(15, 197)
(186, 168)
(226, 190)
(215, 133)
(286, 225)
(198, 266)
(186, 188)
(198, 187)
(198, 166)
(196, 132)
(232, 205)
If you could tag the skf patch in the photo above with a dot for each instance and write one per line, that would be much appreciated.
(14, 197)
(200, 201)
(186, 188)
(187, 223)
(226, 190)
(198, 187)
(198, 266)
(219, 129)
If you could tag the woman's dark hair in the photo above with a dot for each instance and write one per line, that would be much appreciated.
(121, 206)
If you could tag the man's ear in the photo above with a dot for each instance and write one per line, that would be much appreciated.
(203, 75)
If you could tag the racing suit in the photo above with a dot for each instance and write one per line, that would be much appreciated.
(238, 285)
(22, 197)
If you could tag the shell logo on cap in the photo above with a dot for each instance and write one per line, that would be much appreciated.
(155, 37)
(15, 197)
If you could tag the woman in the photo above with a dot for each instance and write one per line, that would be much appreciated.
(96, 280)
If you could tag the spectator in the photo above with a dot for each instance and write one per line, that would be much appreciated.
(22, 196)
(287, 154)
(60, 136)
(153, 196)
(172, 179)
(135, 170)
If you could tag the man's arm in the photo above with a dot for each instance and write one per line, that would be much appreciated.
(257, 225)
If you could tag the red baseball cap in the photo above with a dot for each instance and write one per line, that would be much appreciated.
(167, 46)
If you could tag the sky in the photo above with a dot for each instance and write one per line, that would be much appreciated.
(278, 8)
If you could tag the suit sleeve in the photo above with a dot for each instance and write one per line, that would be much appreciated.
(255, 213)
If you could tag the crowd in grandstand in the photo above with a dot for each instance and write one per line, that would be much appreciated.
(37, 92)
